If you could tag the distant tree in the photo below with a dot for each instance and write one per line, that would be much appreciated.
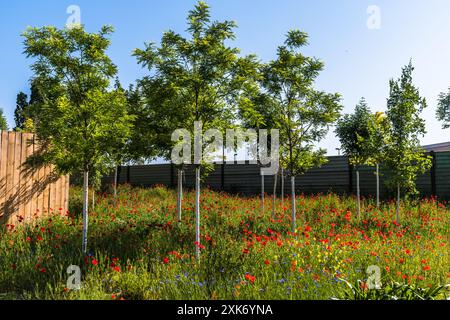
(354, 131)
(194, 80)
(257, 111)
(304, 114)
(404, 155)
(443, 110)
(21, 110)
(80, 119)
(3, 122)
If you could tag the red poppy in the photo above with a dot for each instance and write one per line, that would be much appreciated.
(94, 262)
(426, 268)
(166, 260)
(250, 278)
(43, 270)
(267, 262)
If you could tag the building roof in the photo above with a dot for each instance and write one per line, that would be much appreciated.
(438, 147)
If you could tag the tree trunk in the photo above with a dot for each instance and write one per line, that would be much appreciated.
(197, 212)
(180, 195)
(294, 208)
(398, 203)
(282, 186)
(262, 194)
(85, 210)
(358, 194)
(378, 186)
(274, 209)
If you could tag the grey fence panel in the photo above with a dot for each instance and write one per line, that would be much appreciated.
(335, 176)
(443, 174)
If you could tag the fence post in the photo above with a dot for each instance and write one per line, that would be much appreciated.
(128, 174)
(433, 174)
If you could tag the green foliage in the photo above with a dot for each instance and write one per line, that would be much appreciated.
(443, 110)
(20, 112)
(195, 79)
(404, 155)
(80, 119)
(392, 291)
(353, 131)
(301, 113)
(3, 122)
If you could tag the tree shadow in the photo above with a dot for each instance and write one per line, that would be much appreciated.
(29, 182)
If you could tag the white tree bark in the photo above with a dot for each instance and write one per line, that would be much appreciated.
(85, 210)
(180, 195)
(294, 208)
(197, 212)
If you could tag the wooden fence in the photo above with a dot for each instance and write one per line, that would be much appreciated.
(26, 192)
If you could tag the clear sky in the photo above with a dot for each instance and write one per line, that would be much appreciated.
(359, 61)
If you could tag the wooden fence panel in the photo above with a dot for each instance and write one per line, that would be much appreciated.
(27, 193)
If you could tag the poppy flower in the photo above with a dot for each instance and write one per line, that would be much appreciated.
(250, 278)
(426, 268)
(166, 260)
(94, 262)
(267, 262)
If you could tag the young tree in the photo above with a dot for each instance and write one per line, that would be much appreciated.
(375, 144)
(80, 117)
(195, 80)
(443, 110)
(304, 114)
(353, 131)
(3, 122)
(21, 110)
(404, 155)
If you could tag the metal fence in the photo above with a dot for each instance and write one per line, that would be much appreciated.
(336, 176)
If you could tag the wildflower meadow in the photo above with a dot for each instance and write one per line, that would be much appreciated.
(138, 250)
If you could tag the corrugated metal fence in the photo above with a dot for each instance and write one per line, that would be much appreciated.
(26, 192)
(336, 176)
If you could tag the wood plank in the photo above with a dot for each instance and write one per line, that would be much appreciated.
(58, 195)
(67, 189)
(29, 178)
(52, 199)
(34, 188)
(46, 195)
(15, 188)
(9, 176)
(3, 162)
(22, 178)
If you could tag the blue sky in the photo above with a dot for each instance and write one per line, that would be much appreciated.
(358, 61)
